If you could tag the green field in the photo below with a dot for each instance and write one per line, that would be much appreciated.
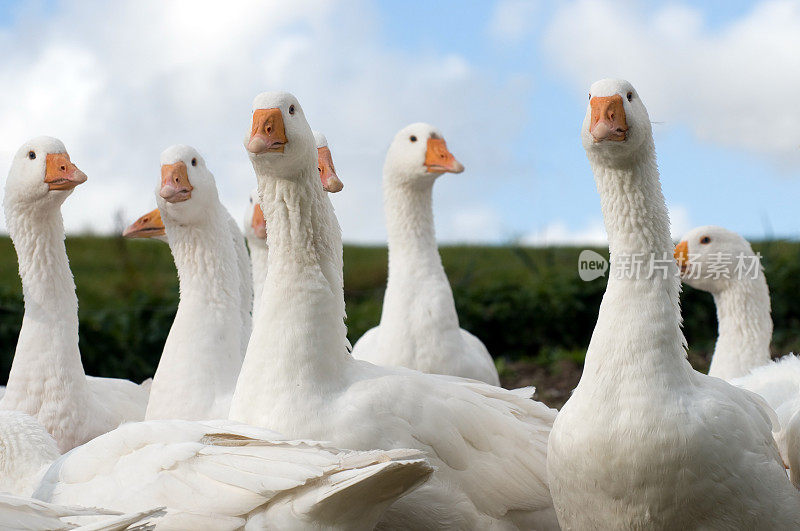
(527, 304)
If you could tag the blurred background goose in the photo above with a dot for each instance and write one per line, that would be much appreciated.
(419, 326)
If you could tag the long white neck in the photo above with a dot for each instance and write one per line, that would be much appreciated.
(638, 335)
(416, 276)
(299, 337)
(47, 373)
(202, 355)
(259, 254)
(745, 328)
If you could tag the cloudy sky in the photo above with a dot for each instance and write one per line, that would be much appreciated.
(505, 81)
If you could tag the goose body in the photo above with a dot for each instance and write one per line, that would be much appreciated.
(487, 444)
(419, 327)
(222, 475)
(202, 356)
(47, 380)
(645, 442)
(26, 450)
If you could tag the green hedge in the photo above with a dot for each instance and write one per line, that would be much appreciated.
(524, 303)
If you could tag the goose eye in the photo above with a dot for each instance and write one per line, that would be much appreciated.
(31, 155)
(251, 200)
(413, 138)
(291, 109)
(590, 95)
(194, 162)
(630, 96)
(705, 239)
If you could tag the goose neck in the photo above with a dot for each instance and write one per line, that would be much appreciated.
(298, 343)
(410, 227)
(643, 285)
(416, 276)
(745, 327)
(47, 362)
(206, 260)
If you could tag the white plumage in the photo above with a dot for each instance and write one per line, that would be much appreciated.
(47, 379)
(723, 263)
(487, 444)
(202, 356)
(20, 513)
(222, 475)
(645, 442)
(419, 326)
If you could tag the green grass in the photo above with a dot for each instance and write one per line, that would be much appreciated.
(526, 304)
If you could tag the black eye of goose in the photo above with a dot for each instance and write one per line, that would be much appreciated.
(194, 162)
(630, 96)
(705, 239)
(31, 155)
(291, 109)
(413, 138)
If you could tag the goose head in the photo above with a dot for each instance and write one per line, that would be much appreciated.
(148, 226)
(327, 173)
(280, 138)
(418, 154)
(711, 258)
(42, 174)
(255, 228)
(186, 192)
(616, 123)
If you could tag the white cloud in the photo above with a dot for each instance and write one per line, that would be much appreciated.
(736, 85)
(511, 20)
(473, 224)
(119, 82)
(558, 233)
(593, 233)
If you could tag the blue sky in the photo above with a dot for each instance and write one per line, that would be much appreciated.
(505, 81)
(746, 192)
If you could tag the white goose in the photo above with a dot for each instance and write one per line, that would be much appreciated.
(723, 263)
(645, 442)
(487, 444)
(226, 476)
(47, 379)
(202, 355)
(255, 229)
(419, 326)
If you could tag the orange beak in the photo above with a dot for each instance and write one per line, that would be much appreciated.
(258, 223)
(147, 226)
(268, 133)
(327, 173)
(439, 160)
(175, 185)
(682, 255)
(608, 119)
(60, 173)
